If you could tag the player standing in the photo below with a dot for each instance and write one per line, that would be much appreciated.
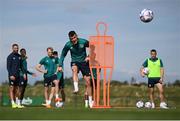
(50, 77)
(155, 77)
(61, 80)
(14, 65)
(23, 81)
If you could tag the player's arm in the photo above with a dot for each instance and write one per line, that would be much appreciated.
(87, 46)
(23, 68)
(62, 57)
(145, 64)
(38, 68)
(9, 65)
(161, 72)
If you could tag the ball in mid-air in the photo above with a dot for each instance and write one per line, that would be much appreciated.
(146, 15)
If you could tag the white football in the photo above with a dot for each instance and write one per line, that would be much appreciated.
(148, 105)
(146, 15)
(140, 104)
(146, 71)
(58, 104)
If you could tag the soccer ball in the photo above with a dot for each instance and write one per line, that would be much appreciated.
(146, 71)
(148, 105)
(139, 104)
(146, 15)
(58, 104)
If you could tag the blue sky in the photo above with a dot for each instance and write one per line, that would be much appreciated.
(37, 24)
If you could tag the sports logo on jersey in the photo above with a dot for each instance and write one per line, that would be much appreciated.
(14, 58)
(71, 48)
(81, 45)
(53, 60)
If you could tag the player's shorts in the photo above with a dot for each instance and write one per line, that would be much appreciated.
(22, 81)
(153, 81)
(83, 67)
(48, 81)
(14, 82)
(60, 77)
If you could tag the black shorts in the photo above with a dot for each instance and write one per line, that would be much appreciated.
(22, 81)
(48, 81)
(14, 82)
(83, 67)
(153, 81)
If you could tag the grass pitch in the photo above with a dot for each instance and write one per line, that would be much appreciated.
(35, 113)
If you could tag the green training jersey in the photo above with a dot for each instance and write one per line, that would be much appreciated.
(49, 64)
(78, 51)
(24, 64)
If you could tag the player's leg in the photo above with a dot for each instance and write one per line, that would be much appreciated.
(161, 95)
(85, 70)
(61, 88)
(75, 77)
(89, 90)
(56, 83)
(151, 91)
(22, 87)
(86, 98)
(52, 92)
(12, 93)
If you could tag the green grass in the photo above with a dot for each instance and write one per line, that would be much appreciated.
(124, 96)
(32, 113)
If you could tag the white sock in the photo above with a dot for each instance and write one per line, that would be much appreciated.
(47, 101)
(90, 98)
(57, 96)
(76, 86)
(86, 102)
(18, 102)
(12, 102)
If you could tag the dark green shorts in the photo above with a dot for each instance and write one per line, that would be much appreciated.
(153, 81)
(83, 67)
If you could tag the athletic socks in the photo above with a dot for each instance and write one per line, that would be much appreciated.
(76, 89)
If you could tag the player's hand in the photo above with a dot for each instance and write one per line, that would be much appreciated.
(142, 74)
(60, 69)
(25, 77)
(12, 77)
(34, 75)
(87, 59)
(45, 71)
(161, 80)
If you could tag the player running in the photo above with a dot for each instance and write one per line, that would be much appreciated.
(77, 47)
(14, 65)
(61, 80)
(23, 81)
(155, 77)
(50, 77)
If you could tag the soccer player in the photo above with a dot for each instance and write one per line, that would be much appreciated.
(155, 77)
(61, 80)
(79, 62)
(14, 65)
(23, 81)
(50, 77)
(93, 62)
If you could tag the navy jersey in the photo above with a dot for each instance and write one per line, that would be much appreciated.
(14, 64)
